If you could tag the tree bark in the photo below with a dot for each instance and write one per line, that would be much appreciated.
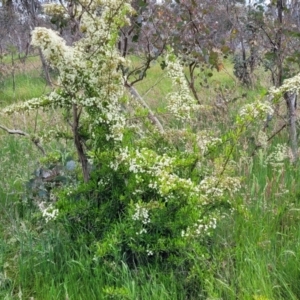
(78, 144)
(45, 68)
(291, 102)
(290, 97)
(151, 115)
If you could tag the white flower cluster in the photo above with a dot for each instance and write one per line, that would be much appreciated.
(88, 70)
(54, 9)
(168, 183)
(149, 252)
(141, 214)
(205, 140)
(71, 189)
(200, 228)
(278, 156)
(101, 75)
(216, 186)
(26, 106)
(102, 29)
(103, 182)
(256, 109)
(48, 212)
(262, 139)
(180, 102)
(142, 160)
(289, 85)
(55, 50)
(160, 169)
(143, 230)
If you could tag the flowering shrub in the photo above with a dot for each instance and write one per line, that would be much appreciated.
(180, 102)
(289, 85)
(145, 193)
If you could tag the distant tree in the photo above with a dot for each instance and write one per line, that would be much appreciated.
(268, 34)
(18, 19)
(196, 30)
(281, 36)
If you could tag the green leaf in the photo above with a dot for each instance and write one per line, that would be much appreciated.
(163, 65)
(135, 38)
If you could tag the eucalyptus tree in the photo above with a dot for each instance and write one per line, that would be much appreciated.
(280, 35)
(197, 30)
(18, 19)
(268, 33)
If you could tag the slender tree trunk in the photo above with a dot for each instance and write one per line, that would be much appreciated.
(13, 73)
(245, 76)
(45, 68)
(290, 97)
(78, 144)
(191, 80)
(151, 115)
(291, 102)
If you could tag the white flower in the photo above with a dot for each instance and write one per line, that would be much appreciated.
(180, 102)
(48, 212)
(289, 85)
(141, 214)
(278, 156)
(262, 139)
(149, 252)
(256, 109)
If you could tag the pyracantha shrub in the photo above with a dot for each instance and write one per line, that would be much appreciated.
(146, 194)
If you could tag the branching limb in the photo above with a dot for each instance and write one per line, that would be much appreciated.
(269, 139)
(151, 115)
(35, 140)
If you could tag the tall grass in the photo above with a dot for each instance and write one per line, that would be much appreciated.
(26, 87)
(254, 254)
(259, 258)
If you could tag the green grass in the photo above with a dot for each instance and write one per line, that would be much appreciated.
(260, 256)
(9, 57)
(21, 80)
(255, 253)
(155, 86)
(26, 87)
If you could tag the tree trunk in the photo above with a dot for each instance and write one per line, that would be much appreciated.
(45, 68)
(291, 102)
(151, 115)
(245, 73)
(78, 144)
(290, 97)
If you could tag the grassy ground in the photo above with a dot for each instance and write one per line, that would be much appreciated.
(254, 253)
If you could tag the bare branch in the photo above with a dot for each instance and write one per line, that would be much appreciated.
(151, 115)
(269, 139)
(35, 140)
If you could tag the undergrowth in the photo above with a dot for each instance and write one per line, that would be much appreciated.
(253, 254)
